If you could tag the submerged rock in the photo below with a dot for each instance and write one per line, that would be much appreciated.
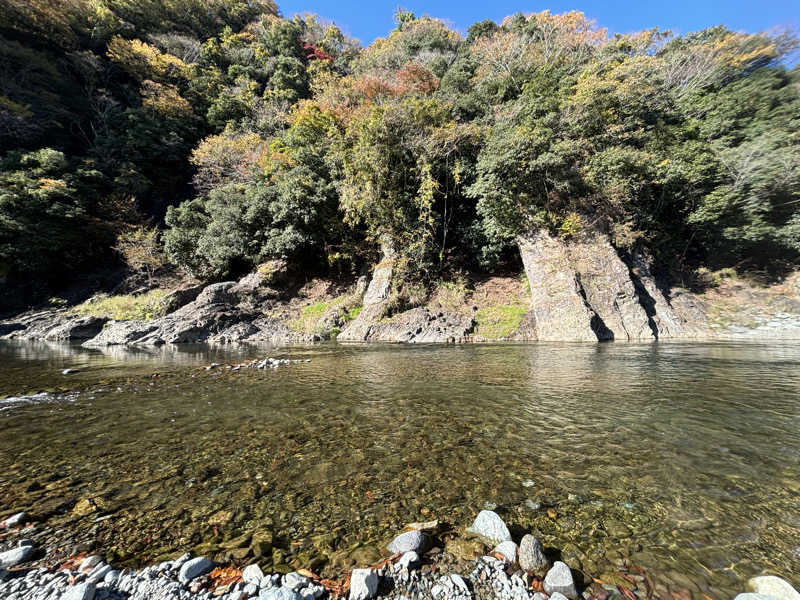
(489, 525)
(15, 520)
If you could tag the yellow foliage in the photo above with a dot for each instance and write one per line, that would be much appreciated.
(144, 61)
(164, 100)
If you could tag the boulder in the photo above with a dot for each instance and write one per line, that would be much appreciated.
(15, 556)
(770, 585)
(559, 579)
(252, 574)
(363, 584)
(217, 293)
(489, 525)
(531, 555)
(181, 296)
(78, 328)
(194, 568)
(407, 542)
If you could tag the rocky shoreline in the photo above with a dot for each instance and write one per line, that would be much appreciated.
(414, 570)
(242, 312)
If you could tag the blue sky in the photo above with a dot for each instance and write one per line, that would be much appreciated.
(368, 20)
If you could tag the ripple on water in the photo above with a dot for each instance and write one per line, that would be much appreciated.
(679, 457)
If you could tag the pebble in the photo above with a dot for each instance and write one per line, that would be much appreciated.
(363, 584)
(489, 525)
(278, 593)
(410, 541)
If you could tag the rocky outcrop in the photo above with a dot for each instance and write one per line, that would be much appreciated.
(558, 309)
(374, 302)
(415, 326)
(608, 289)
(583, 290)
(53, 325)
(215, 316)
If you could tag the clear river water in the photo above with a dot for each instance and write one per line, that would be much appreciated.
(679, 458)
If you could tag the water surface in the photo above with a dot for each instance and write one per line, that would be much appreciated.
(683, 459)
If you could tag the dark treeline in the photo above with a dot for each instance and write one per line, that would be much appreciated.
(243, 136)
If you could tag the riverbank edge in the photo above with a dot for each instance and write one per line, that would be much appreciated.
(415, 568)
(498, 309)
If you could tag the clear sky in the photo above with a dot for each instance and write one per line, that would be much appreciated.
(368, 20)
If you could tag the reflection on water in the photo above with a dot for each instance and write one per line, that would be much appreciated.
(681, 458)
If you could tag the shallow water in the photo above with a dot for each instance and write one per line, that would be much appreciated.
(683, 459)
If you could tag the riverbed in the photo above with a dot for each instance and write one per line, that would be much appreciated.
(679, 458)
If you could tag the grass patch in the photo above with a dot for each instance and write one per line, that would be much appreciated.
(496, 322)
(141, 307)
(309, 315)
(353, 312)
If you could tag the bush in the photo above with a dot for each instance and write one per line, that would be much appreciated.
(141, 307)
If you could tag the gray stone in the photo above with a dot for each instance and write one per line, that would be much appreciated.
(15, 520)
(459, 583)
(770, 585)
(252, 574)
(531, 555)
(15, 556)
(410, 541)
(278, 593)
(559, 579)
(557, 596)
(82, 591)
(194, 568)
(363, 584)
(99, 572)
(408, 560)
(294, 581)
(753, 596)
(111, 577)
(489, 525)
(251, 589)
(508, 550)
(90, 562)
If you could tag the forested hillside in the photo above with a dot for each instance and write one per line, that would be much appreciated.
(215, 135)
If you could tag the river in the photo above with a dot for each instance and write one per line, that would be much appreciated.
(679, 458)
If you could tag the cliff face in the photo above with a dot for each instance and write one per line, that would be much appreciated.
(583, 290)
